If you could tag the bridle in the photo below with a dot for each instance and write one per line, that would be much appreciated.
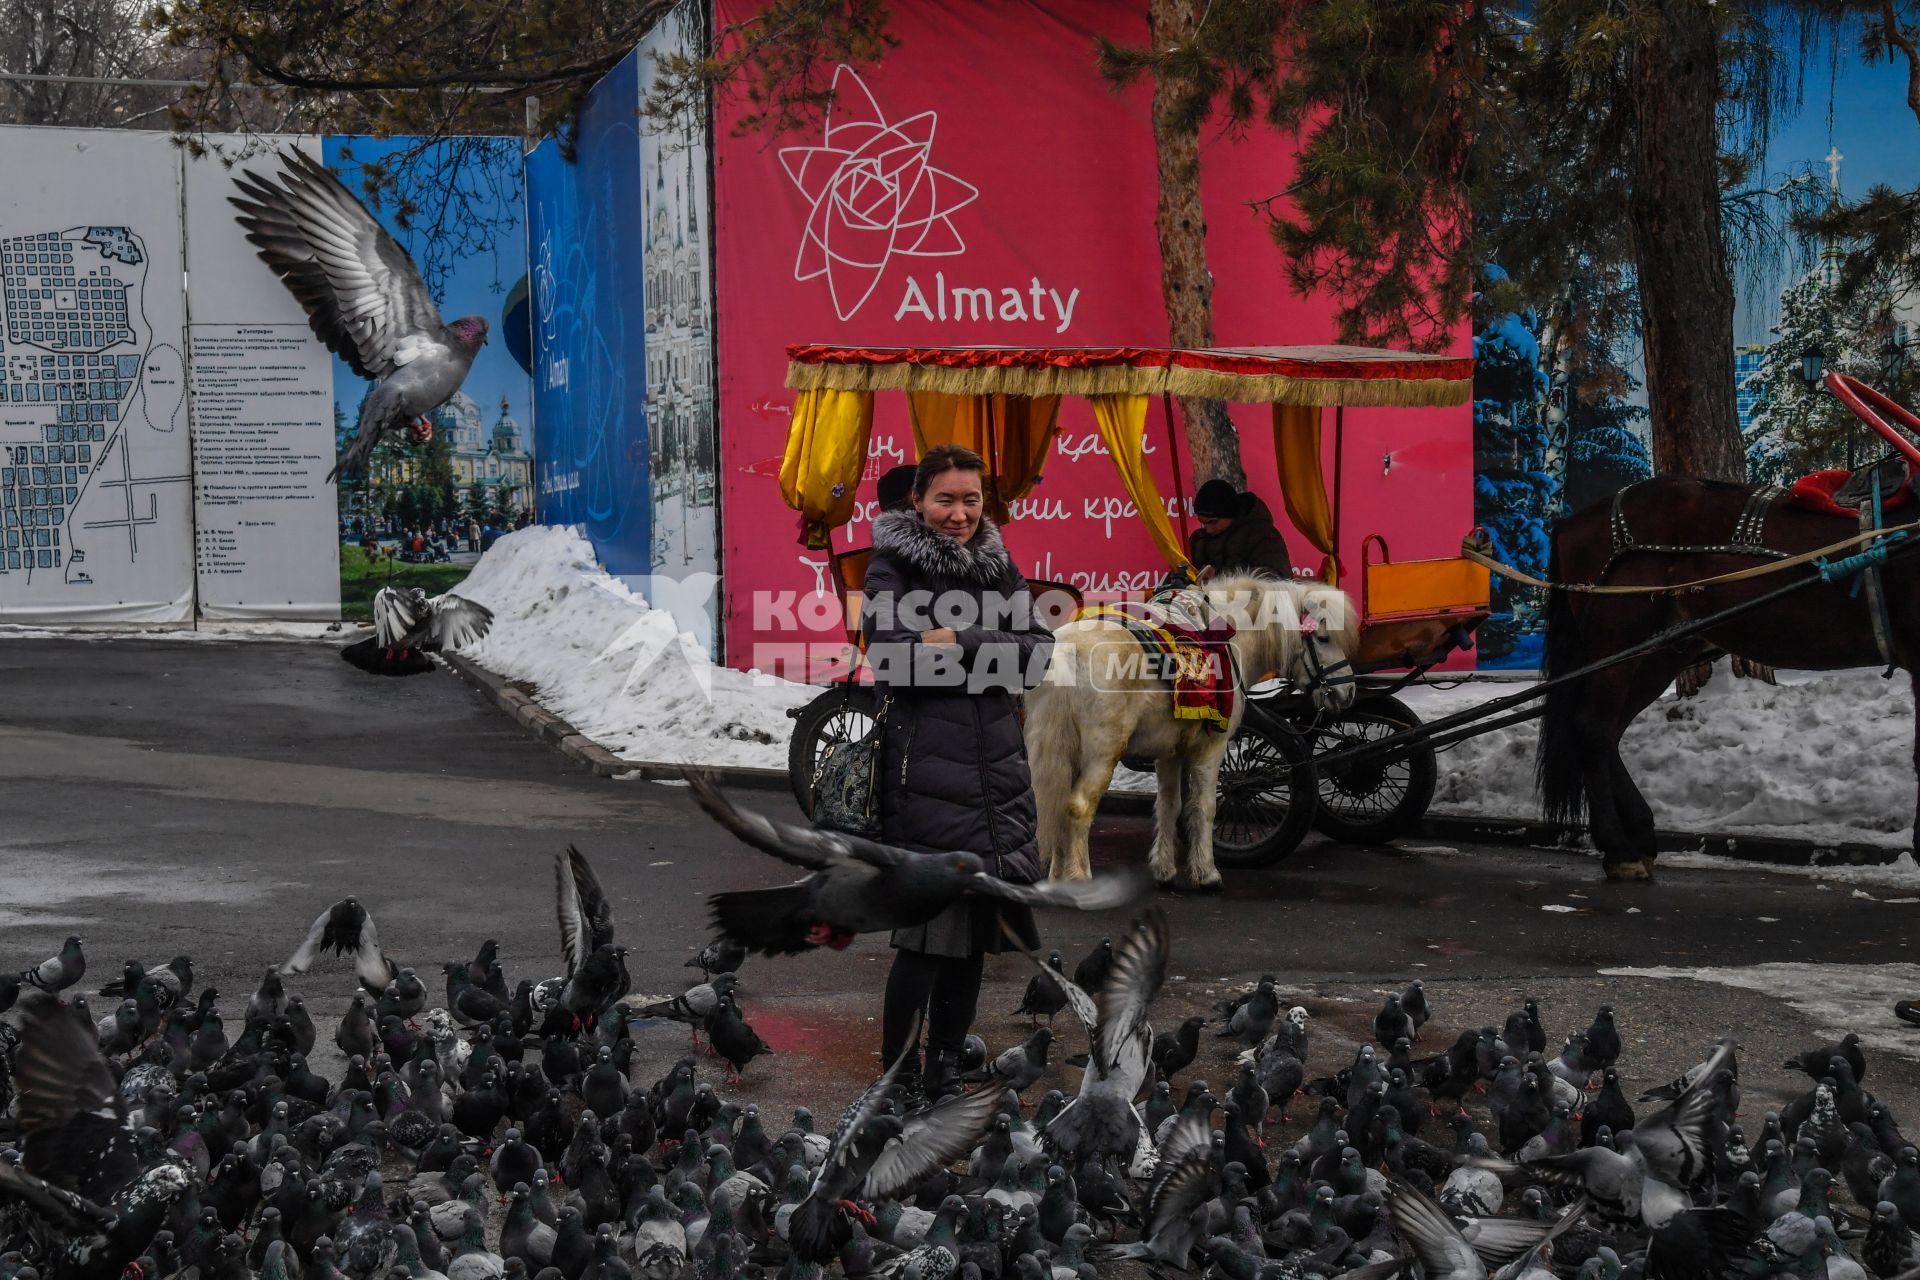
(1321, 674)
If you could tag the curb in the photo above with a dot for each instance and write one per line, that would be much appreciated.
(539, 721)
(1774, 850)
(576, 746)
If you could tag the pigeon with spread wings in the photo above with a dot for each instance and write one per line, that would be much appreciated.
(409, 624)
(861, 886)
(1101, 1120)
(876, 1154)
(343, 928)
(362, 295)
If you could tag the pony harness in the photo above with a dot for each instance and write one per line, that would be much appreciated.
(1187, 647)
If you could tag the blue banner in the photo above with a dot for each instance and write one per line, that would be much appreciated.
(589, 328)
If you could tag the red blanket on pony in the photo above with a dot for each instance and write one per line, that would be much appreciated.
(1198, 661)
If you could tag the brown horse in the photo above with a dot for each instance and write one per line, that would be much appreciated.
(1670, 531)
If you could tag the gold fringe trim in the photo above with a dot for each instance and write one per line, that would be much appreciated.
(1409, 393)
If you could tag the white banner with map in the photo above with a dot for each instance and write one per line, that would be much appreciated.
(96, 521)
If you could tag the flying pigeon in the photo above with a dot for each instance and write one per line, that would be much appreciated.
(409, 624)
(362, 294)
(346, 927)
(861, 886)
(1101, 1120)
(876, 1155)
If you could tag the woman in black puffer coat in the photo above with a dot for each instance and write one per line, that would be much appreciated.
(953, 639)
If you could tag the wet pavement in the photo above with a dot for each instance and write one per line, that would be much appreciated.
(212, 797)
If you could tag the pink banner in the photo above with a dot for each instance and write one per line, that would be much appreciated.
(983, 185)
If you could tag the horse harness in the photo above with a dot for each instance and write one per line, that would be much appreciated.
(1749, 539)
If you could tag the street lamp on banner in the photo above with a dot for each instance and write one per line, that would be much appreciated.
(1812, 364)
(1893, 358)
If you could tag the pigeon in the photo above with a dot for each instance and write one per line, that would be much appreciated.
(1414, 1001)
(1252, 1020)
(1448, 1250)
(1174, 1051)
(173, 980)
(1814, 1061)
(861, 886)
(719, 956)
(408, 625)
(1392, 1022)
(342, 928)
(1101, 1120)
(59, 971)
(1019, 1067)
(596, 970)
(362, 294)
(694, 1005)
(1043, 998)
(735, 1041)
(1091, 973)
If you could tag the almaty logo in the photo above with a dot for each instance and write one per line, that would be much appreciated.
(875, 195)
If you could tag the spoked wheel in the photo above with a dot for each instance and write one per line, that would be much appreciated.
(1369, 800)
(839, 714)
(1267, 796)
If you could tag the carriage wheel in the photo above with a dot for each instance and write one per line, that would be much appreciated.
(835, 716)
(1370, 801)
(1266, 796)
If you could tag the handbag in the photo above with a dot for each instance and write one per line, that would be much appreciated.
(846, 780)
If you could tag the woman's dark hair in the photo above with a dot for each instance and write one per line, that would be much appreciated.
(943, 458)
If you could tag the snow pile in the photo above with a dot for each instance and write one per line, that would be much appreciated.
(619, 671)
(1822, 756)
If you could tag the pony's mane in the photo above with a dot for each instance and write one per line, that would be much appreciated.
(1333, 604)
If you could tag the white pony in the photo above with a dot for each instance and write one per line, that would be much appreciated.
(1101, 701)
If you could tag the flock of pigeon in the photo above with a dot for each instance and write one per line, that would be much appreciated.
(498, 1132)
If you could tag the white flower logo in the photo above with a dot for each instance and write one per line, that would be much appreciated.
(874, 195)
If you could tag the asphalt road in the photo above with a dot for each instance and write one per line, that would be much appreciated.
(212, 797)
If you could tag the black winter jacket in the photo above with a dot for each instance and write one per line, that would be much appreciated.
(953, 765)
(1251, 542)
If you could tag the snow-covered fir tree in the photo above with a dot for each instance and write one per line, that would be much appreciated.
(1795, 428)
(1605, 450)
(1515, 493)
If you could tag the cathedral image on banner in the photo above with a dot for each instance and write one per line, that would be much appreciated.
(682, 448)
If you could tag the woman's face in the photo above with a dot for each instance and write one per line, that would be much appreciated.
(952, 503)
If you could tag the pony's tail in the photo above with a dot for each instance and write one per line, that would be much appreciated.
(1053, 749)
(1557, 773)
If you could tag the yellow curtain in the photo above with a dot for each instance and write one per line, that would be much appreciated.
(1123, 425)
(1013, 433)
(1296, 444)
(826, 451)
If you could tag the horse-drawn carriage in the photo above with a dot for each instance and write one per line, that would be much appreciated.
(1003, 403)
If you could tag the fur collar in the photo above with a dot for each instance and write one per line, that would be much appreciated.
(905, 535)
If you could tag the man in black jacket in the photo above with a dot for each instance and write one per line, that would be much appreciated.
(1236, 533)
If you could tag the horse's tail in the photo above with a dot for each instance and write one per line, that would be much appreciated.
(1557, 772)
(1053, 751)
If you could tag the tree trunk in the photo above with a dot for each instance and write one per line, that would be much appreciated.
(1185, 283)
(1686, 289)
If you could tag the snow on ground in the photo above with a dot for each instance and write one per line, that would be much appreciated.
(1825, 757)
(1821, 756)
(1838, 997)
(620, 672)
